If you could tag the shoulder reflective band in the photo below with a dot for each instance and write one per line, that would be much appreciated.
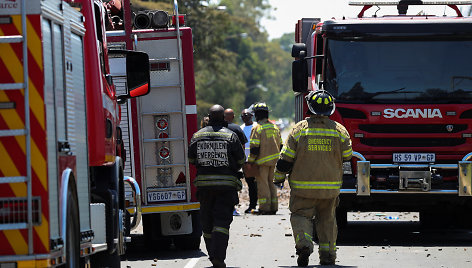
(320, 132)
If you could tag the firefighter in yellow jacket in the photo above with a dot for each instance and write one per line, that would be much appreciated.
(264, 148)
(313, 156)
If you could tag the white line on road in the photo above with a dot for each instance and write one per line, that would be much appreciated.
(192, 263)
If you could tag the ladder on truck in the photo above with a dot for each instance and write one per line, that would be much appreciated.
(182, 95)
(181, 112)
(26, 131)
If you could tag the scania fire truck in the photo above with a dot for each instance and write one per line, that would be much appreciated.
(161, 125)
(403, 90)
(62, 199)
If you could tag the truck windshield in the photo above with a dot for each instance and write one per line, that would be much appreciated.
(399, 71)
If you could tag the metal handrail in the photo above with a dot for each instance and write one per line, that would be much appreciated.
(137, 198)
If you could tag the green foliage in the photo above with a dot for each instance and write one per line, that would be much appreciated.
(235, 63)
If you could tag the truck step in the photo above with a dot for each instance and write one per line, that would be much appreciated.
(16, 179)
(12, 86)
(11, 39)
(12, 132)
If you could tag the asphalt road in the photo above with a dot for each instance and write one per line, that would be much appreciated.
(369, 240)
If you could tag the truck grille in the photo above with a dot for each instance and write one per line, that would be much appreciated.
(409, 142)
(408, 128)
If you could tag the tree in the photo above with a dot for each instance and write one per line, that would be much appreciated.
(235, 63)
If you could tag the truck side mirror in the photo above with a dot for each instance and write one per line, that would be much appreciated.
(137, 74)
(299, 50)
(300, 75)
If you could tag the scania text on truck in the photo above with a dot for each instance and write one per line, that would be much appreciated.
(161, 125)
(62, 196)
(403, 90)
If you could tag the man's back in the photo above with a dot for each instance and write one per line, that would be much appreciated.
(318, 146)
(216, 151)
(266, 136)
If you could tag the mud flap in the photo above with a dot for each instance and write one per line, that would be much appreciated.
(363, 178)
(465, 178)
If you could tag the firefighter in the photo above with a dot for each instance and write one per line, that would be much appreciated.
(218, 156)
(313, 156)
(265, 144)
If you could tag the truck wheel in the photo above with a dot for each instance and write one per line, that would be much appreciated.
(72, 232)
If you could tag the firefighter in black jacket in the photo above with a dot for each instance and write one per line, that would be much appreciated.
(218, 155)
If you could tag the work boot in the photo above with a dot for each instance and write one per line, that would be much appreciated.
(327, 259)
(218, 264)
(249, 210)
(303, 256)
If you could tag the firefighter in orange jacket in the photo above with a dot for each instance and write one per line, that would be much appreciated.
(313, 156)
(264, 148)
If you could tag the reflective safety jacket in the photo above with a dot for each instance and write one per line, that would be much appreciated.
(313, 157)
(218, 156)
(264, 144)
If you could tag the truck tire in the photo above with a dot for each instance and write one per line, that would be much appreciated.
(72, 231)
(193, 240)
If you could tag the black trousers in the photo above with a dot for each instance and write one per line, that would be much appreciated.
(252, 187)
(216, 210)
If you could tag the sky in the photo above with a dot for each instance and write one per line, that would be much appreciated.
(289, 11)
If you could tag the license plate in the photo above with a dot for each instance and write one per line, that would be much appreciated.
(414, 157)
(166, 196)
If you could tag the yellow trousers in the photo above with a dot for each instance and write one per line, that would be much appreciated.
(266, 190)
(324, 213)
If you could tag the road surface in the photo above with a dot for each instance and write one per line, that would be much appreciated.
(369, 240)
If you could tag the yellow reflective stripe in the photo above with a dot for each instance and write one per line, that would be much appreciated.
(279, 175)
(308, 237)
(288, 152)
(274, 200)
(262, 200)
(255, 141)
(221, 230)
(315, 184)
(265, 126)
(205, 235)
(323, 247)
(217, 180)
(267, 159)
(347, 153)
(221, 134)
(320, 132)
(251, 158)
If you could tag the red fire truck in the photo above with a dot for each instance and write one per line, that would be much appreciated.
(62, 196)
(403, 89)
(160, 125)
